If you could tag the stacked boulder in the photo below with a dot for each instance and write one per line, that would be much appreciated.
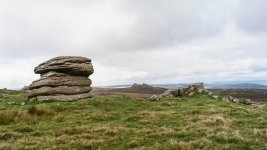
(63, 78)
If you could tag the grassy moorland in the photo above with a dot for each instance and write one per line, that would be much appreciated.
(120, 122)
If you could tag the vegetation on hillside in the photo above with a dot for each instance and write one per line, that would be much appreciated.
(121, 122)
(257, 95)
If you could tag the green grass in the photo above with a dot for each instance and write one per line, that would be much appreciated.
(120, 122)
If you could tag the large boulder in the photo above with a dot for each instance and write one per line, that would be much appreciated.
(62, 97)
(61, 81)
(71, 65)
(63, 78)
(64, 90)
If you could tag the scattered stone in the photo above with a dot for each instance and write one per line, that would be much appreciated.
(210, 93)
(167, 93)
(246, 101)
(23, 103)
(235, 100)
(63, 78)
(200, 91)
(155, 98)
(191, 88)
(215, 97)
(175, 93)
(11, 103)
(226, 99)
(191, 94)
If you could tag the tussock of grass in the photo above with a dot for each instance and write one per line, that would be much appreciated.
(109, 129)
(24, 129)
(148, 116)
(101, 116)
(32, 115)
(40, 110)
(165, 131)
(8, 136)
(194, 144)
(215, 119)
(102, 129)
(260, 133)
(73, 130)
(12, 116)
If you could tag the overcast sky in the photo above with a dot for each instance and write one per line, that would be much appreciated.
(151, 41)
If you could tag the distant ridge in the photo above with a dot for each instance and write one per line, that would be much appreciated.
(209, 86)
(236, 86)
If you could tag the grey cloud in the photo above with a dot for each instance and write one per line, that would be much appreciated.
(129, 41)
(103, 25)
(166, 23)
(252, 16)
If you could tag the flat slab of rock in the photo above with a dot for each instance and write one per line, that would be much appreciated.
(64, 90)
(71, 65)
(61, 97)
(61, 81)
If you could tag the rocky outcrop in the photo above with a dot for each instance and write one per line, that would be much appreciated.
(197, 88)
(189, 90)
(77, 66)
(63, 78)
(25, 89)
(229, 99)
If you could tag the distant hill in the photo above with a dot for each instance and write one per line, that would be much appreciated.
(219, 85)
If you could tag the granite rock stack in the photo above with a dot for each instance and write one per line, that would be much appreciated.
(63, 78)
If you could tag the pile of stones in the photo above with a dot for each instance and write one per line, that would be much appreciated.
(189, 90)
(236, 100)
(63, 78)
(197, 88)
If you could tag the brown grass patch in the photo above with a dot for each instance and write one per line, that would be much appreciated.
(260, 133)
(109, 129)
(32, 115)
(8, 136)
(101, 116)
(40, 110)
(102, 129)
(11, 116)
(216, 119)
(149, 116)
(195, 144)
(73, 130)
(165, 132)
